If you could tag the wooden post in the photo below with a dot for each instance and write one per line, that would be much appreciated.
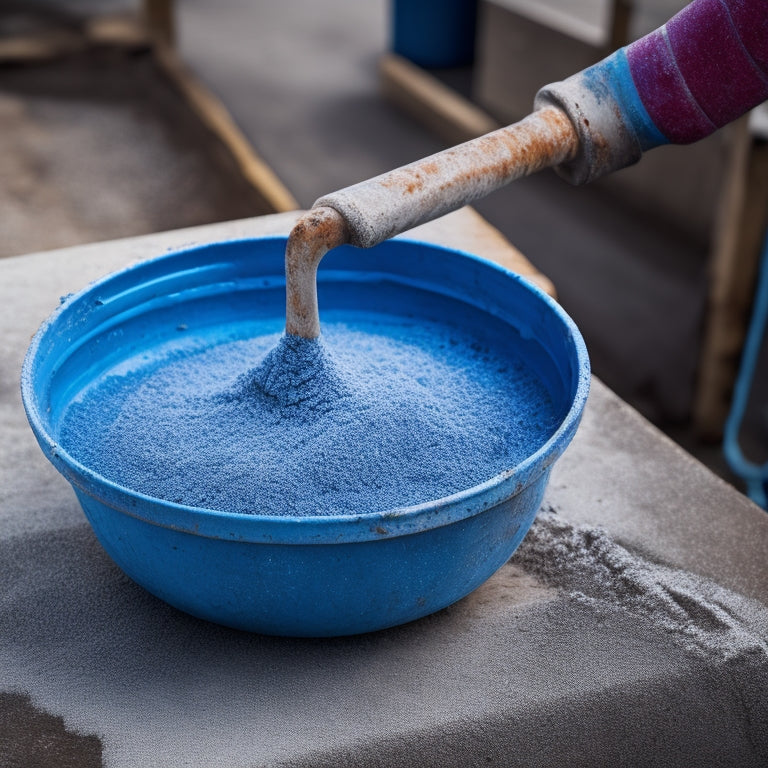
(159, 18)
(621, 13)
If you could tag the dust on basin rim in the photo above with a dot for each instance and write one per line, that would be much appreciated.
(218, 524)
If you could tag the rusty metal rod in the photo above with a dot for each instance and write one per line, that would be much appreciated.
(386, 205)
(314, 234)
(372, 211)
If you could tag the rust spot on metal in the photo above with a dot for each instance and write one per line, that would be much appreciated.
(600, 146)
(477, 167)
(381, 530)
(313, 235)
(406, 180)
(430, 166)
(543, 139)
(379, 208)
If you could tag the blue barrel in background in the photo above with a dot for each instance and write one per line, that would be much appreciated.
(435, 33)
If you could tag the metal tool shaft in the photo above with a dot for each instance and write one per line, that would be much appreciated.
(386, 205)
(372, 211)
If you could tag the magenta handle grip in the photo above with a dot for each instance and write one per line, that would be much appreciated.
(704, 68)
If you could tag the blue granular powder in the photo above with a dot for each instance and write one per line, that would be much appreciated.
(364, 420)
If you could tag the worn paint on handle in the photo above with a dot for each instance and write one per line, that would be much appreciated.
(704, 68)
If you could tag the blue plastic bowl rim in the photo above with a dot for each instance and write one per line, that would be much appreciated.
(310, 529)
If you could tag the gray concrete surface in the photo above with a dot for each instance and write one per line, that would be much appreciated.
(519, 673)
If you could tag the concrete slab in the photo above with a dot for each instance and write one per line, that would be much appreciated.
(588, 648)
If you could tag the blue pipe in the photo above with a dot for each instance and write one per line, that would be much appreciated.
(754, 475)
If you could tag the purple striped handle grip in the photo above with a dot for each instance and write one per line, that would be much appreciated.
(704, 68)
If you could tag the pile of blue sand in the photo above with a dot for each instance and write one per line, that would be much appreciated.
(365, 420)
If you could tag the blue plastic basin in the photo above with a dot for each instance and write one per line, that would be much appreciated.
(302, 576)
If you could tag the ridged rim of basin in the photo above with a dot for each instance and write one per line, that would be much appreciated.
(307, 529)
